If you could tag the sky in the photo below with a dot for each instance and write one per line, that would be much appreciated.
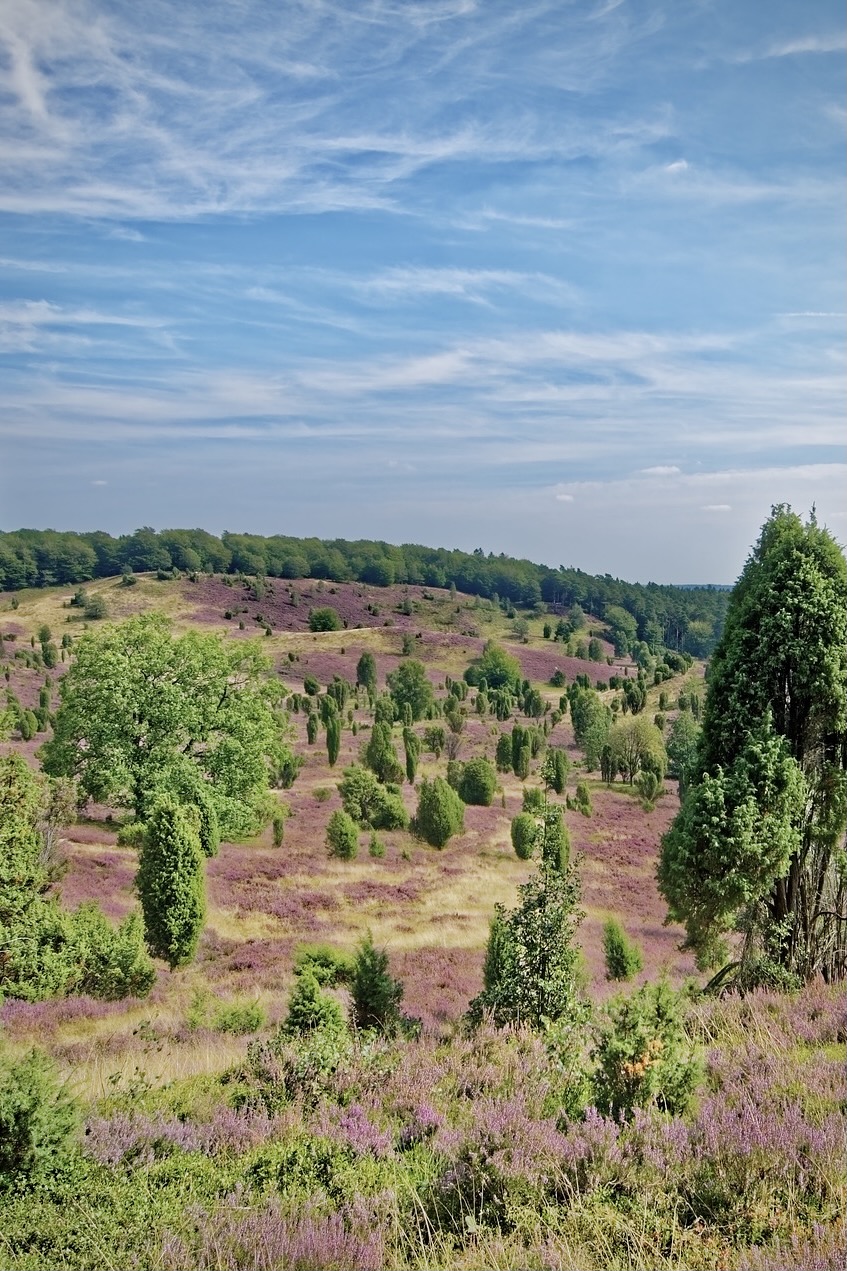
(561, 280)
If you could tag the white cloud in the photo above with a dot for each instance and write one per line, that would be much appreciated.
(564, 498)
(717, 507)
(99, 482)
(662, 470)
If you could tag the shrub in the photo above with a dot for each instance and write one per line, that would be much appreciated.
(171, 881)
(309, 1008)
(643, 1055)
(131, 834)
(649, 787)
(37, 1122)
(106, 961)
(503, 753)
(375, 994)
(311, 686)
(240, 1018)
(623, 956)
(375, 847)
(524, 832)
(583, 798)
(478, 782)
(329, 966)
(369, 803)
(533, 800)
(440, 813)
(342, 836)
(325, 619)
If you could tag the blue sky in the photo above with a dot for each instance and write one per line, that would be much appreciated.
(564, 280)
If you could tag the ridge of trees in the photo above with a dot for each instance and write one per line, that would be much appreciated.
(683, 618)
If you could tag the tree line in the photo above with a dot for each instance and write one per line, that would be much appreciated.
(682, 618)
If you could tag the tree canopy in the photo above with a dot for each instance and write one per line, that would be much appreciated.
(757, 840)
(143, 710)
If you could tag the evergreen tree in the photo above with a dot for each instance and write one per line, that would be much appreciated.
(412, 747)
(440, 814)
(333, 739)
(759, 836)
(375, 994)
(171, 881)
(380, 756)
(342, 836)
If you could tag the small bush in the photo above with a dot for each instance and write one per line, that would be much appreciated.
(440, 814)
(583, 798)
(342, 836)
(376, 848)
(240, 1018)
(37, 1122)
(623, 956)
(524, 832)
(324, 619)
(309, 1008)
(329, 966)
(478, 782)
(131, 834)
(376, 995)
(321, 794)
(533, 800)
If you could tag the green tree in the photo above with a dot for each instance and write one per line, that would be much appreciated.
(412, 748)
(440, 814)
(496, 667)
(342, 836)
(325, 619)
(478, 782)
(623, 956)
(138, 702)
(309, 1008)
(375, 994)
(366, 673)
(524, 832)
(333, 739)
(369, 802)
(683, 744)
(554, 770)
(38, 1122)
(380, 755)
(410, 687)
(758, 837)
(503, 753)
(530, 972)
(171, 881)
(636, 744)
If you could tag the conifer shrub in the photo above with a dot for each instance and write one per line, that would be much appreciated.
(375, 994)
(38, 1122)
(623, 956)
(478, 782)
(524, 831)
(440, 814)
(239, 1018)
(329, 966)
(342, 836)
(310, 1008)
(171, 881)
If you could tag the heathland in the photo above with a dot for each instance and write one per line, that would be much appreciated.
(335, 1068)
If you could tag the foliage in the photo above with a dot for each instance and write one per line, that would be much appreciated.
(780, 670)
(239, 1018)
(682, 749)
(643, 1054)
(310, 1008)
(591, 720)
(375, 994)
(554, 770)
(582, 798)
(366, 673)
(369, 803)
(635, 743)
(410, 687)
(48, 952)
(329, 966)
(649, 787)
(531, 959)
(735, 833)
(171, 882)
(412, 750)
(142, 711)
(503, 753)
(440, 813)
(523, 831)
(325, 619)
(342, 836)
(478, 782)
(623, 956)
(38, 1122)
(380, 755)
(496, 667)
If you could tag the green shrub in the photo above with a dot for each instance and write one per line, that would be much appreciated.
(325, 619)
(329, 966)
(440, 814)
(239, 1018)
(644, 1057)
(131, 834)
(309, 1008)
(478, 782)
(375, 994)
(524, 831)
(171, 881)
(533, 800)
(321, 794)
(37, 1122)
(376, 847)
(106, 961)
(342, 836)
(583, 798)
(623, 956)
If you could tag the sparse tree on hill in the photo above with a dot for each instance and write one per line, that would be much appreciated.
(366, 673)
(409, 686)
(440, 814)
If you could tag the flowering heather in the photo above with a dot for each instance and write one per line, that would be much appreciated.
(263, 1238)
(23, 1019)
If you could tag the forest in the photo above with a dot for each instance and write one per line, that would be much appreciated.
(681, 618)
(384, 907)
